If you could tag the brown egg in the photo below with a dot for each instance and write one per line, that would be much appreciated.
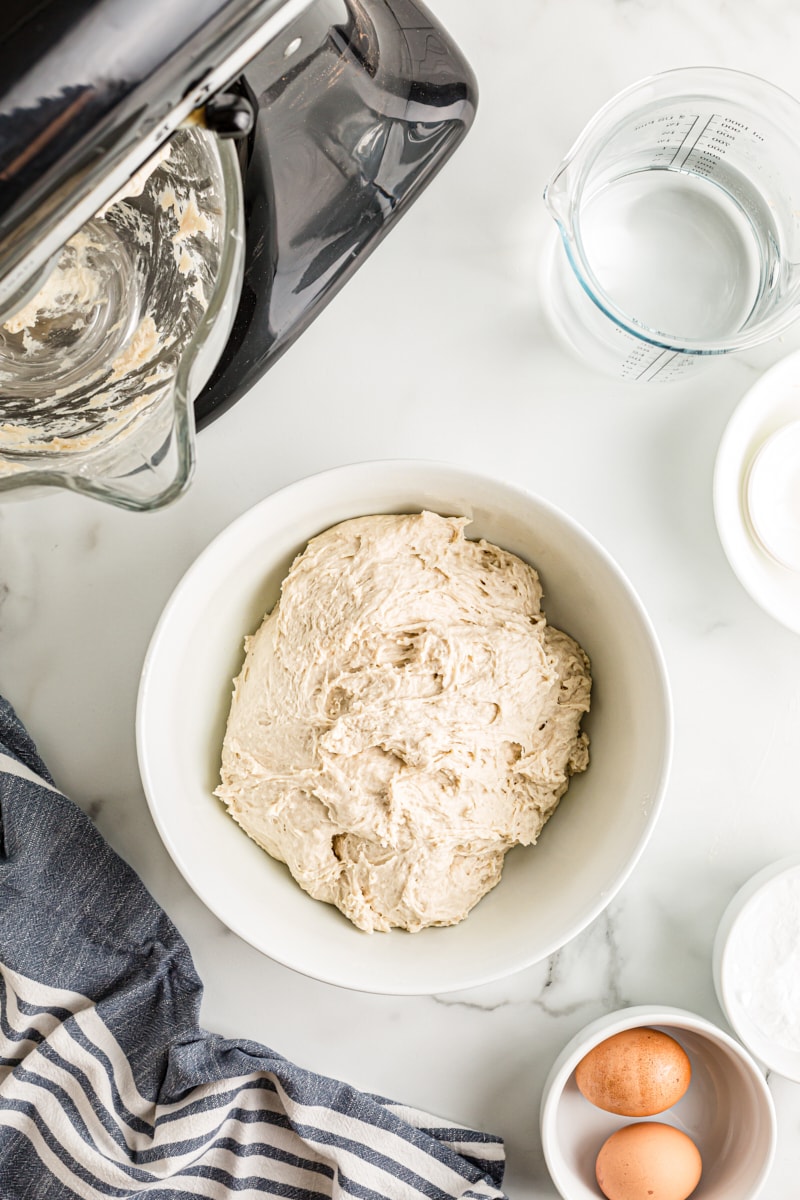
(636, 1073)
(648, 1161)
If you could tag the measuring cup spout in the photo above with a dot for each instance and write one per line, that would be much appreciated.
(557, 196)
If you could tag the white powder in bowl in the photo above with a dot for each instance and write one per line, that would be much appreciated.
(765, 951)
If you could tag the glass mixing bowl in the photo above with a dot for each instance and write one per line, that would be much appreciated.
(98, 371)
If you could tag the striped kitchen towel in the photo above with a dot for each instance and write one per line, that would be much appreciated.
(108, 1085)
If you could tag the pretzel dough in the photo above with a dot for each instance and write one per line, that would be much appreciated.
(404, 716)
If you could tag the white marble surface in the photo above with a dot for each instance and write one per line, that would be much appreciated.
(438, 349)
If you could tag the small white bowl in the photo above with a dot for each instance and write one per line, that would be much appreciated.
(773, 496)
(549, 892)
(749, 527)
(727, 1111)
(747, 956)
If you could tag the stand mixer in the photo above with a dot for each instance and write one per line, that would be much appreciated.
(176, 207)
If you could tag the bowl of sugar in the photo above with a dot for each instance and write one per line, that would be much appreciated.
(756, 965)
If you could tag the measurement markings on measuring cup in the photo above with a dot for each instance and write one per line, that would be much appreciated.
(694, 144)
(644, 365)
(648, 366)
(668, 361)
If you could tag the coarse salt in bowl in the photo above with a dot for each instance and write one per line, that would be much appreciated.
(548, 892)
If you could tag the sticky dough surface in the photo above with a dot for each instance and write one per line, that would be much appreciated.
(404, 716)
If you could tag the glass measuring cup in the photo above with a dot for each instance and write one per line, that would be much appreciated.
(679, 213)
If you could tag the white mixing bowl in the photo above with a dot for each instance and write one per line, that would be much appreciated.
(548, 892)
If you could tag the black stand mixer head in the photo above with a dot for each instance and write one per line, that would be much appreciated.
(341, 110)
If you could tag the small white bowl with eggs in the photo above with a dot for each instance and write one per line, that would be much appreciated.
(549, 892)
(721, 1104)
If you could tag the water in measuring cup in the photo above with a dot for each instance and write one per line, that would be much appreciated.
(675, 252)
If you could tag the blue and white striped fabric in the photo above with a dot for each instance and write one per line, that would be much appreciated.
(108, 1085)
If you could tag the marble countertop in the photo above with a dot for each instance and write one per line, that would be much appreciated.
(438, 349)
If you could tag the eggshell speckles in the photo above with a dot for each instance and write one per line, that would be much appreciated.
(635, 1073)
(648, 1161)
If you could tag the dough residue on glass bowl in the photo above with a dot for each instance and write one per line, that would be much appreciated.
(404, 716)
